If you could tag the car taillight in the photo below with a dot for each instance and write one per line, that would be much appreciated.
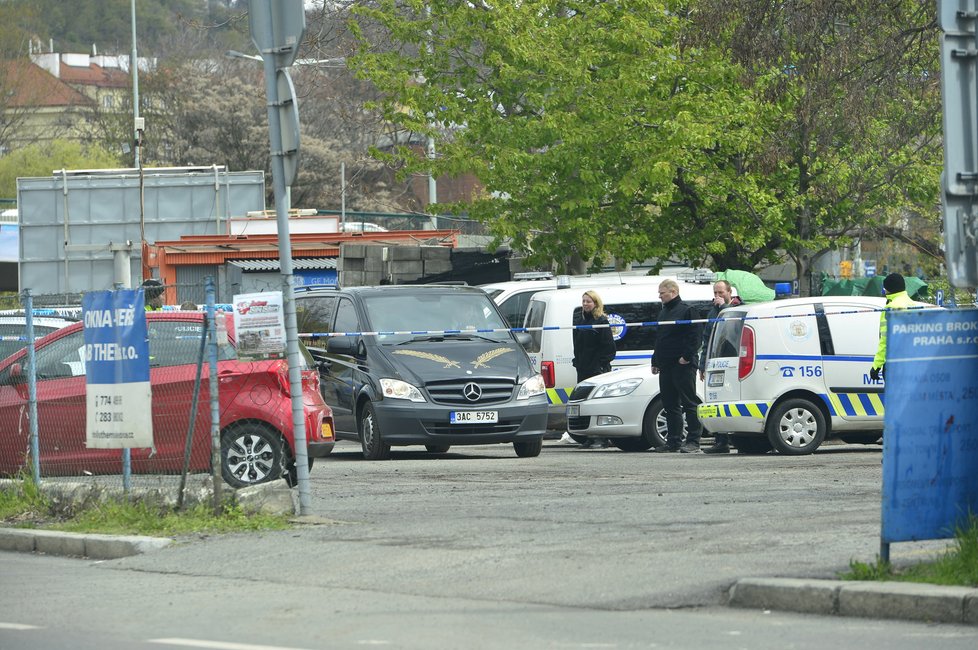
(746, 364)
(547, 370)
(282, 374)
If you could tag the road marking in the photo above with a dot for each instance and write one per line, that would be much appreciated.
(217, 645)
(17, 626)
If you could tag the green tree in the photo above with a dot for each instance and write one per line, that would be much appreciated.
(852, 138)
(575, 116)
(41, 159)
(651, 128)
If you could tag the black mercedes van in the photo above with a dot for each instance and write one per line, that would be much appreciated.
(430, 365)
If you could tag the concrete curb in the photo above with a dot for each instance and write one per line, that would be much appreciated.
(893, 600)
(99, 547)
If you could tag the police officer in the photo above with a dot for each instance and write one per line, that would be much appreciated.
(895, 288)
(153, 292)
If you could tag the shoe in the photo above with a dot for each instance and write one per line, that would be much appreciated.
(566, 439)
(665, 449)
(587, 444)
(717, 449)
(690, 449)
(600, 443)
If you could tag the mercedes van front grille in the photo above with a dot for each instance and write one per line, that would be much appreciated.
(444, 428)
(479, 391)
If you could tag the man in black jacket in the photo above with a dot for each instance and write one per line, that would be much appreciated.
(722, 298)
(674, 360)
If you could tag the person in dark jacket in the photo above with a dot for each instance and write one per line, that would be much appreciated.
(674, 360)
(153, 294)
(593, 348)
(722, 298)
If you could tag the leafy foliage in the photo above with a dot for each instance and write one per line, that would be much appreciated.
(40, 159)
(653, 128)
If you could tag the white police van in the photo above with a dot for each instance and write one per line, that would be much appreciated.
(513, 297)
(789, 374)
(551, 349)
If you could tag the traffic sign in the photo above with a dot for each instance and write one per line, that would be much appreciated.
(959, 181)
(288, 110)
(277, 27)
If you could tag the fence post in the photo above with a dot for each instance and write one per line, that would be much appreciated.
(32, 387)
(215, 407)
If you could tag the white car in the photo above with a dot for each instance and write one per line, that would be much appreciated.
(13, 331)
(621, 405)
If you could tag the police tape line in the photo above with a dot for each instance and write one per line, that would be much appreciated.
(550, 328)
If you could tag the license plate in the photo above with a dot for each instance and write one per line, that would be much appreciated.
(715, 380)
(474, 417)
(574, 410)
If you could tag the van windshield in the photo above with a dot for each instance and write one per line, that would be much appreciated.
(434, 313)
(725, 341)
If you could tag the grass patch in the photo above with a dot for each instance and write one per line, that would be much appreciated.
(25, 506)
(957, 567)
(117, 518)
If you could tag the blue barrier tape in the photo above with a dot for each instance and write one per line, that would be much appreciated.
(548, 328)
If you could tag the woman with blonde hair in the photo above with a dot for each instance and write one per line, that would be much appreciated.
(594, 347)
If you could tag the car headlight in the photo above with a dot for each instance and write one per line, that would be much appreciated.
(532, 387)
(617, 388)
(397, 389)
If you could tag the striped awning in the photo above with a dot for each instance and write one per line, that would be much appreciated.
(313, 263)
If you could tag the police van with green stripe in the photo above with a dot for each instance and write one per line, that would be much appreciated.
(790, 374)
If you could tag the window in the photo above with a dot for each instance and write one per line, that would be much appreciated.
(314, 315)
(514, 308)
(108, 101)
(346, 317)
(10, 330)
(62, 358)
(726, 336)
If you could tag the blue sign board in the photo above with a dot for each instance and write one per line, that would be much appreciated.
(116, 354)
(930, 446)
(307, 277)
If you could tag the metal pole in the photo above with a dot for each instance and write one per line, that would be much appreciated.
(32, 388)
(134, 71)
(430, 149)
(126, 451)
(285, 260)
(216, 454)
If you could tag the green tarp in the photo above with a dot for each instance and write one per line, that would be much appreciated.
(749, 287)
(916, 288)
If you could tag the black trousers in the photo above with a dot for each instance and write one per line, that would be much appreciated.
(677, 389)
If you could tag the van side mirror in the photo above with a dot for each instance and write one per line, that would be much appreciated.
(523, 338)
(341, 345)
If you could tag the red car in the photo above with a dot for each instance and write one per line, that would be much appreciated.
(257, 442)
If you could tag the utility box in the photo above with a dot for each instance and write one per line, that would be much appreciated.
(78, 227)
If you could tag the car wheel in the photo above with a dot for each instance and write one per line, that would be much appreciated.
(528, 449)
(251, 454)
(654, 430)
(751, 444)
(796, 427)
(370, 439)
(437, 449)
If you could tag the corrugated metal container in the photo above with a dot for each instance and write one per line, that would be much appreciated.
(74, 224)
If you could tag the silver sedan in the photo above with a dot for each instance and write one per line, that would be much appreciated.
(622, 406)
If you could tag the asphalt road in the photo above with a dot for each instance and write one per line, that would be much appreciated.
(478, 548)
